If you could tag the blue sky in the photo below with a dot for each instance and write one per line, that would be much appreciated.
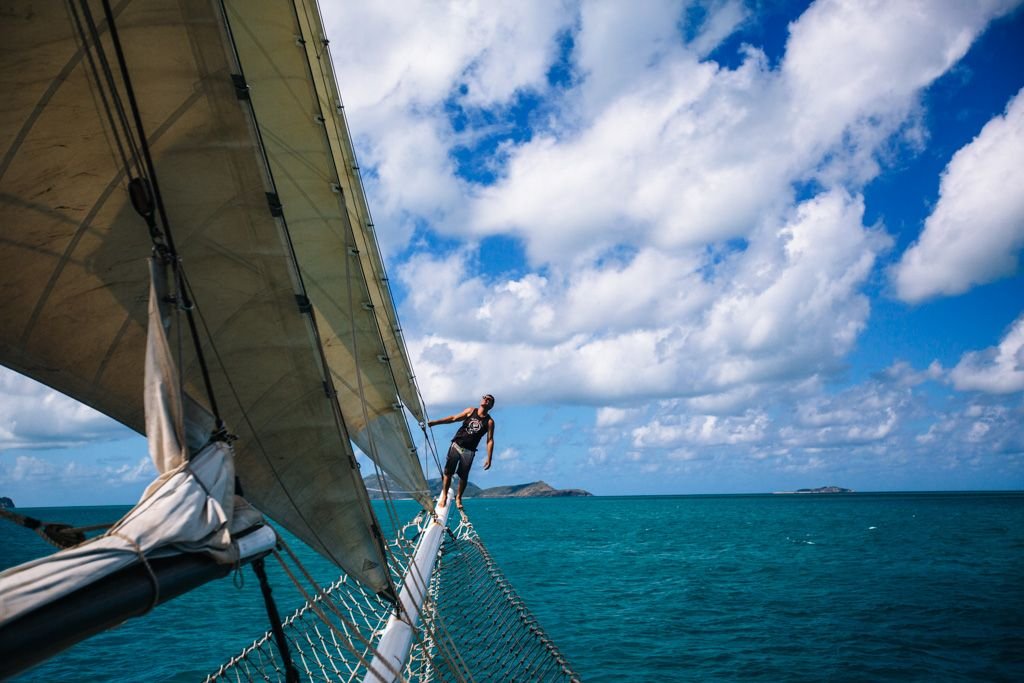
(691, 247)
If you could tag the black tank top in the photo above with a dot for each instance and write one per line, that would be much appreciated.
(472, 430)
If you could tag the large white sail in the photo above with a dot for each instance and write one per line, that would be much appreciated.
(73, 250)
(282, 50)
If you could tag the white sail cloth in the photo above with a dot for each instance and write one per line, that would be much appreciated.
(315, 176)
(189, 507)
(293, 382)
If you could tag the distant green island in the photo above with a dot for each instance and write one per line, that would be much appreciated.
(535, 489)
(6, 503)
(821, 489)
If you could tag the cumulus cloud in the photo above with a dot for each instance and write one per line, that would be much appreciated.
(998, 370)
(889, 421)
(402, 62)
(697, 258)
(609, 417)
(670, 253)
(673, 433)
(786, 306)
(660, 148)
(977, 428)
(35, 416)
(30, 472)
(656, 201)
(976, 232)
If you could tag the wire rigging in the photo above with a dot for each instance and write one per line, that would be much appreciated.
(136, 158)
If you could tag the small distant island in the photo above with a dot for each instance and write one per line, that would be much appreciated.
(6, 503)
(536, 489)
(821, 489)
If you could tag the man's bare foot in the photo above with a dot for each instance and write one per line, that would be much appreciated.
(443, 502)
(458, 503)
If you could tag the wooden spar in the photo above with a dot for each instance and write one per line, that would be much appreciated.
(54, 627)
(396, 642)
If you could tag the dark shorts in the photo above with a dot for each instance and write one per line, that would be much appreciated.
(459, 460)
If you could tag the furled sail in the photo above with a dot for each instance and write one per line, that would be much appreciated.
(248, 197)
(190, 507)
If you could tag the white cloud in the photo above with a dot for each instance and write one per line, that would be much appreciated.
(722, 19)
(976, 232)
(50, 474)
(672, 433)
(695, 235)
(615, 42)
(652, 155)
(410, 55)
(35, 416)
(400, 63)
(29, 469)
(785, 308)
(998, 370)
(142, 471)
(610, 417)
(852, 65)
(865, 414)
(657, 148)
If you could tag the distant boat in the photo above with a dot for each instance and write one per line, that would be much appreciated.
(257, 346)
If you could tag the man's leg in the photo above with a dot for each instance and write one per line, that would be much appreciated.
(465, 463)
(446, 481)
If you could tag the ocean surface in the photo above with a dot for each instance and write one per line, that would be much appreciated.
(848, 587)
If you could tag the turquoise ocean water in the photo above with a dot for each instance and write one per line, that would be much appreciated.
(858, 587)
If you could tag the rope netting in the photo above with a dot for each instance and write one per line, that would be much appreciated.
(474, 627)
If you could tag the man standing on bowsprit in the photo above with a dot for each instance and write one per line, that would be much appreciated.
(475, 423)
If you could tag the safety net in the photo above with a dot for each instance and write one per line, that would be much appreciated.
(474, 627)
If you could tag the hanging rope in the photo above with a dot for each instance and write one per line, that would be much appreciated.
(57, 534)
(291, 674)
(132, 146)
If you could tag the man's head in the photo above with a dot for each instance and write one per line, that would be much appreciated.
(487, 401)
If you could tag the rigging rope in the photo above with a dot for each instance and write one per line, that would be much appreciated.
(291, 675)
(57, 534)
(137, 161)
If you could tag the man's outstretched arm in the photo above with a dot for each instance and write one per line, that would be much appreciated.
(451, 418)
